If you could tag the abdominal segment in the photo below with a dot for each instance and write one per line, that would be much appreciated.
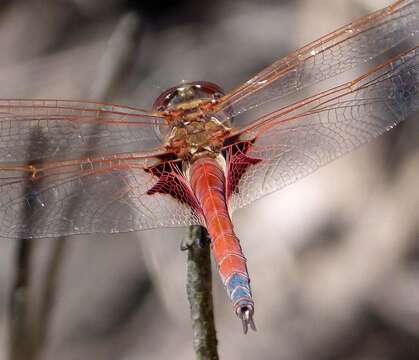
(208, 183)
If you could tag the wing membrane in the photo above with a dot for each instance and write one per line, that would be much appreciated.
(85, 196)
(299, 139)
(67, 129)
(329, 56)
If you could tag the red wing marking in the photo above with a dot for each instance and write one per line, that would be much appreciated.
(237, 164)
(91, 195)
(172, 182)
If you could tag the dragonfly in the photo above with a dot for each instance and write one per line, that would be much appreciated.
(79, 167)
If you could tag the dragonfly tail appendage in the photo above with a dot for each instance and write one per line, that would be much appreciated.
(238, 287)
(208, 183)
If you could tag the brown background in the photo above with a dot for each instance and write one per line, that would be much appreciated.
(333, 258)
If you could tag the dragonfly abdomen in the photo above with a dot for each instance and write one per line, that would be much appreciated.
(208, 182)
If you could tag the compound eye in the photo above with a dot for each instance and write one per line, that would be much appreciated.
(209, 88)
(186, 92)
(162, 102)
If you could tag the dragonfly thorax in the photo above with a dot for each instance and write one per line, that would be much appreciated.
(193, 130)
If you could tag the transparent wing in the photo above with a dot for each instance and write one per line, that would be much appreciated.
(327, 57)
(67, 129)
(300, 138)
(106, 195)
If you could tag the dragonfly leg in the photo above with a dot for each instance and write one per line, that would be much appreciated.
(198, 236)
(186, 244)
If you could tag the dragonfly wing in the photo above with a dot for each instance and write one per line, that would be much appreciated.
(67, 129)
(333, 54)
(88, 196)
(295, 141)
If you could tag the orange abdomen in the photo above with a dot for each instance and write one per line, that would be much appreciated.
(208, 182)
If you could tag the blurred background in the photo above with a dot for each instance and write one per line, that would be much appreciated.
(334, 258)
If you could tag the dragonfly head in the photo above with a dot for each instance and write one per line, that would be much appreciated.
(187, 96)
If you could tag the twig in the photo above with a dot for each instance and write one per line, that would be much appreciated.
(117, 60)
(121, 48)
(49, 290)
(199, 290)
(20, 339)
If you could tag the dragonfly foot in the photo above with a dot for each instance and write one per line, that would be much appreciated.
(245, 313)
(186, 244)
(198, 238)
